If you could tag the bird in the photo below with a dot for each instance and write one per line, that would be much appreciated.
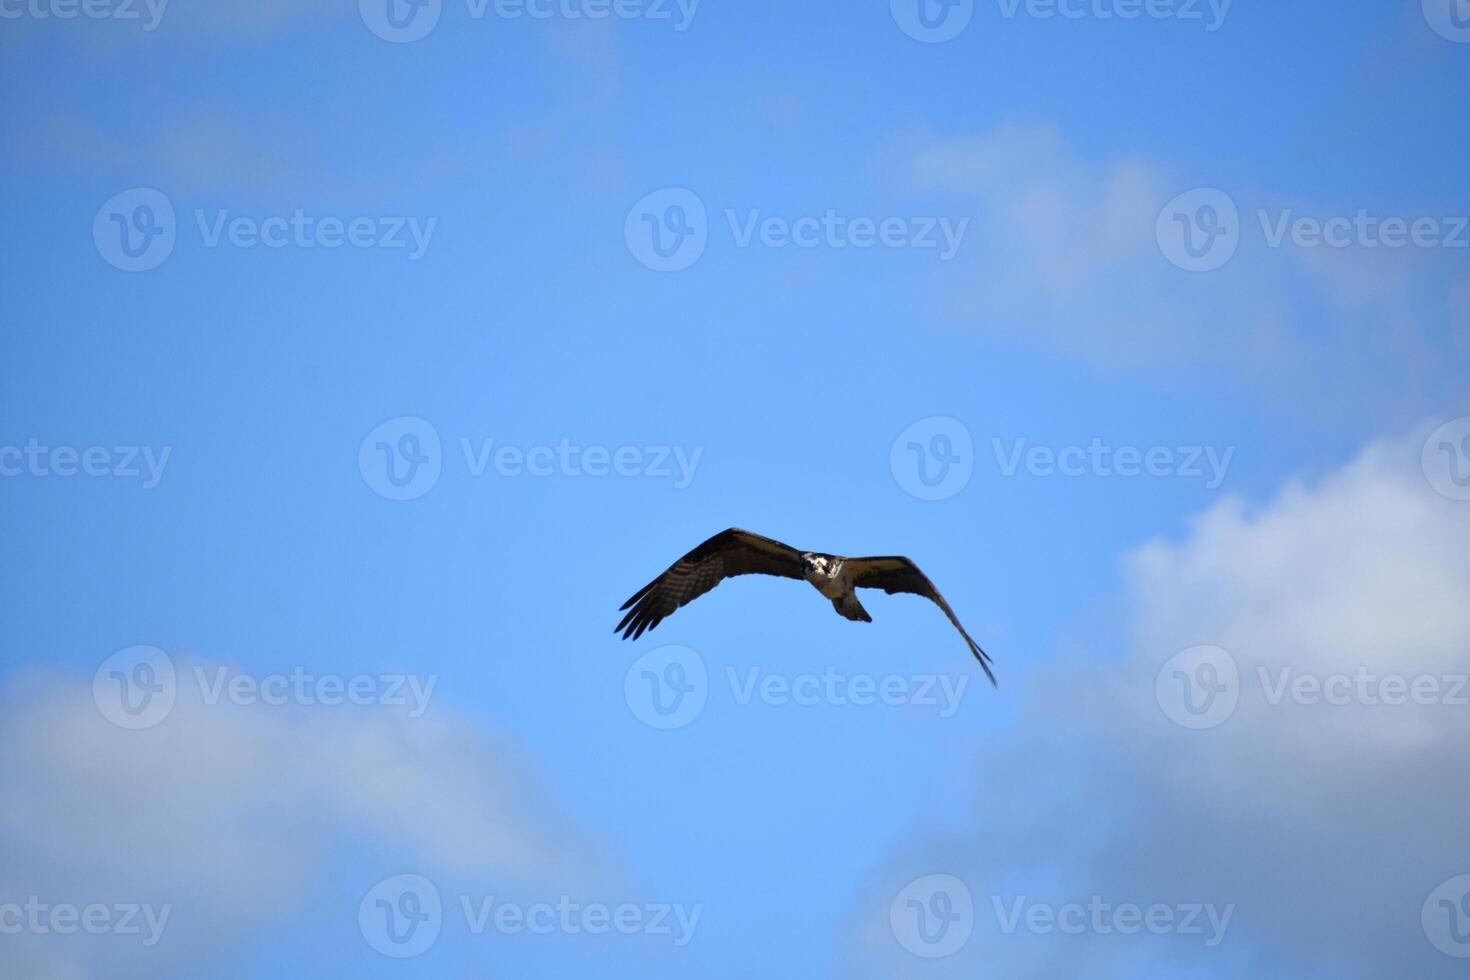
(735, 552)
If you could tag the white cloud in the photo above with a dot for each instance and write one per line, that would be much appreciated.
(1063, 254)
(1326, 826)
(226, 812)
(1075, 221)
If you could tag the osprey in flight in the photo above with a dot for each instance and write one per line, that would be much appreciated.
(736, 552)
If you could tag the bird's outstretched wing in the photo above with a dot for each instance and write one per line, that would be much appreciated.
(729, 553)
(897, 574)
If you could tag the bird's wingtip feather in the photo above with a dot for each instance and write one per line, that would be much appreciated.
(984, 659)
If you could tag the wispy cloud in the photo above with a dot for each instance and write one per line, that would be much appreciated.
(225, 812)
(1066, 255)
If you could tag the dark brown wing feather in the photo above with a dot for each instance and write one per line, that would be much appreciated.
(727, 554)
(898, 574)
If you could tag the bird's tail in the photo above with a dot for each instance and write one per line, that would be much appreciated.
(848, 607)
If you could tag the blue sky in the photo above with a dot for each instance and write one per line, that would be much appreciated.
(1327, 384)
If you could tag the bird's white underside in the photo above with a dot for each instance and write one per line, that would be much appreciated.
(831, 578)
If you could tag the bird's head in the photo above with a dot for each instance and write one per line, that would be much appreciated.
(813, 565)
